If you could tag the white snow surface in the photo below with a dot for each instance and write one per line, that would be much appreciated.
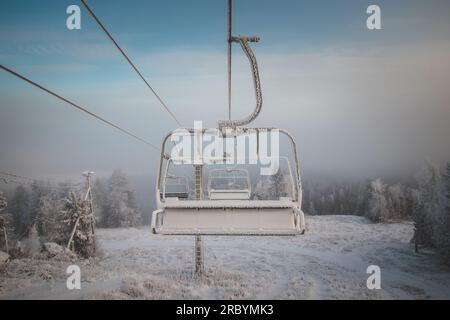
(328, 262)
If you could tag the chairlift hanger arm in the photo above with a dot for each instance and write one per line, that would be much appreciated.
(243, 41)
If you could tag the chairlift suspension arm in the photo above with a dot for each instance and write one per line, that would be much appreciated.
(244, 42)
(229, 20)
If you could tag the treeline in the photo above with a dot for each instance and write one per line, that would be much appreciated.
(40, 207)
(57, 224)
(425, 201)
(115, 203)
(431, 215)
(374, 199)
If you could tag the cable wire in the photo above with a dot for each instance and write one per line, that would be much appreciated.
(15, 176)
(129, 60)
(62, 185)
(77, 106)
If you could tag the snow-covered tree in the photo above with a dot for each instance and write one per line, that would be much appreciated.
(121, 209)
(39, 189)
(397, 201)
(312, 208)
(260, 190)
(428, 218)
(446, 177)
(100, 196)
(77, 223)
(5, 224)
(31, 245)
(48, 218)
(273, 187)
(20, 209)
(375, 205)
(3, 202)
(445, 236)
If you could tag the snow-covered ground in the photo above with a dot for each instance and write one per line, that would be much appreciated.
(328, 262)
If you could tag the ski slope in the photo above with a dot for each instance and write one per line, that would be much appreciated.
(328, 262)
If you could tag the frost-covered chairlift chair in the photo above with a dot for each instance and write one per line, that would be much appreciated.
(201, 216)
(224, 216)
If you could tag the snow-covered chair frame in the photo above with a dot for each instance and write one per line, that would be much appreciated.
(201, 216)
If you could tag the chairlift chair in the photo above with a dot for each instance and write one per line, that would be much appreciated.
(229, 210)
(227, 213)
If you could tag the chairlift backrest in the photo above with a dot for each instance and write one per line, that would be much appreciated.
(229, 183)
(175, 187)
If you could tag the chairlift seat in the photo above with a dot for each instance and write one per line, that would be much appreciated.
(229, 217)
(229, 194)
(180, 195)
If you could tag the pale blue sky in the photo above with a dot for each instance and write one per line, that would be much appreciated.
(360, 102)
